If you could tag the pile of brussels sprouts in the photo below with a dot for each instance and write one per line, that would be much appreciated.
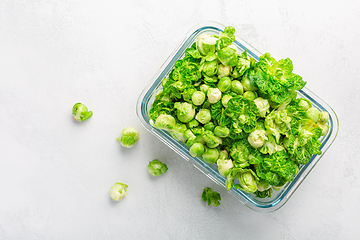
(239, 113)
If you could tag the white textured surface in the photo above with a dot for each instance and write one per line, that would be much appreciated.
(55, 174)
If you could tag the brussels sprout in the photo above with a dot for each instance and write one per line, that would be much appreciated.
(204, 88)
(197, 149)
(209, 126)
(263, 106)
(165, 122)
(237, 87)
(324, 128)
(210, 155)
(211, 140)
(324, 117)
(313, 114)
(211, 197)
(193, 123)
(185, 111)
(225, 99)
(224, 84)
(223, 154)
(224, 166)
(257, 138)
(250, 95)
(161, 97)
(198, 98)
(214, 95)
(129, 137)
(205, 44)
(235, 73)
(178, 132)
(80, 112)
(118, 191)
(203, 116)
(247, 85)
(304, 104)
(262, 185)
(157, 168)
(190, 137)
(224, 71)
(209, 68)
(247, 182)
(221, 131)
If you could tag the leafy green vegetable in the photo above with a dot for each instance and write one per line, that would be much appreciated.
(211, 197)
(129, 137)
(118, 191)
(157, 168)
(80, 112)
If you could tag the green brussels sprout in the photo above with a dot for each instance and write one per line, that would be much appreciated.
(324, 128)
(304, 104)
(224, 84)
(185, 111)
(161, 97)
(225, 99)
(324, 117)
(263, 106)
(211, 197)
(80, 112)
(224, 166)
(221, 131)
(193, 123)
(128, 137)
(209, 126)
(247, 182)
(237, 87)
(235, 73)
(198, 98)
(247, 85)
(204, 88)
(118, 191)
(197, 149)
(210, 155)
(313, 114)
(190, 137)
(214, 95)
(203, 116)
(178, 132)
(257, 138)
(262, 185)
(209, 68)
(165, 122)
(157, 168)
(205, 44)
(250, 95)
(211, 140)
(224, 71)
(223, 154)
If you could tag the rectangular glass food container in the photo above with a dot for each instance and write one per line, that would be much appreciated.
(279, 197)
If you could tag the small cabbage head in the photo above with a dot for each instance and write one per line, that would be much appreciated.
(80, 112)
(178, 132)
(157, 168)
(214, 95)
(313, 114)
(237, 87)
(205, 44)
(224, 84)
(263, 106)
(165, 122)
(247, 182)
(211, 197)
(224, 166)
(129, 137)
(118, 191)
(324, 117)
(197, 149)
(185, 111)
(257, 138)
(198, 98)
(250, 95)
(225, 99)
(221, 131)
(224, 71)
(210, 155)
(203, 116)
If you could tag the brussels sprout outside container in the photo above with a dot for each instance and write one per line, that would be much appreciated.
(279, 197)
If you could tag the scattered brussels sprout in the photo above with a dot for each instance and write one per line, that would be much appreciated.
(224, 71)
(313, 114)
(203, 116)
(223, 154)
(190, 137)
(210, 155)
(210, 68)
(211, 197)
(129, 137)
(80, 112)
(214, 95)
(257, 138)
(197, 149)
(247, 85)
(165, 122)
(250, 95)
(263, 106)
(204, 88)
(324, 117)
(211, 140)
(324, 128)
(224, 166)
(205, 44)
(185, 111)
(224, 84)
(209, 126)
(118, 191)
(237, 87)
(221, 131)
(247, 182)
(198, 98)
(225, 99)
(157, 168)
(304, 104)
(193, 123)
